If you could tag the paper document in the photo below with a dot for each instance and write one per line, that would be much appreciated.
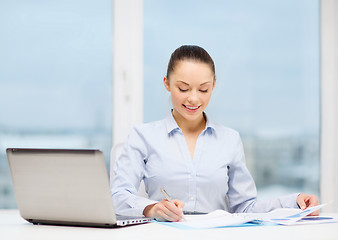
(218, 218)
(284, 216)
(288, 216)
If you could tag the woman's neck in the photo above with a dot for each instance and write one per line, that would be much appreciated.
(195, 126)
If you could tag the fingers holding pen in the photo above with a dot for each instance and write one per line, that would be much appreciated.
(165, 210)
(176, 208)
(168, 211)
(179, 204)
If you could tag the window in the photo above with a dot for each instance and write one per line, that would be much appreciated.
(267, 68)
(56, 71)
(55, 78)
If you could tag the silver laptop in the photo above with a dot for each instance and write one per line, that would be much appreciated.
(64, 187)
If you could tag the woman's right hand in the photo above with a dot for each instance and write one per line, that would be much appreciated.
(165, 210)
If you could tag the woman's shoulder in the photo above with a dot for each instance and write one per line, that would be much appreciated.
(222, 129)
(150, 127)
(145, 133)
(218, 127)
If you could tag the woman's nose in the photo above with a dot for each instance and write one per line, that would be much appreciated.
(193, 97)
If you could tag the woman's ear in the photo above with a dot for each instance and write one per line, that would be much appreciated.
(213, 84)
(166, 83)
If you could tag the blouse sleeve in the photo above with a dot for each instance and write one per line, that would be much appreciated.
(242, 193)
(129, 171)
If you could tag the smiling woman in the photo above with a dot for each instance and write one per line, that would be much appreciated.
(267, 88)
(171, 152)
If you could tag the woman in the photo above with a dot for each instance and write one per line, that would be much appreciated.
(200, 163)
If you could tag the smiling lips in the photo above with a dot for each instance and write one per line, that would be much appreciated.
(191, 108)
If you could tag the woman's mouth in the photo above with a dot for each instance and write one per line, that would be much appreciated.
(191, 108)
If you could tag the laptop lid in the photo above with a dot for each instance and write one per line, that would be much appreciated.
(68, 187)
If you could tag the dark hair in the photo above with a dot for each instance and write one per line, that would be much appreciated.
(190, 52)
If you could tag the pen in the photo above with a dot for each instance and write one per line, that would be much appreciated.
(166, 195)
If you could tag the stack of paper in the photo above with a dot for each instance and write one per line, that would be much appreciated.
(284, 216)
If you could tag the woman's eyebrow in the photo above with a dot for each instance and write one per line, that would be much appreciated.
(183, 82)
(189, 84)
(205, 83)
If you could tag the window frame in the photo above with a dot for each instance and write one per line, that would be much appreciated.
(329, 103)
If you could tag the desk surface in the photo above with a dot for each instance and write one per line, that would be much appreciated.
(12, 226)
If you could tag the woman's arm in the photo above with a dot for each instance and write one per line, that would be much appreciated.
(242, 192)
(128, 172)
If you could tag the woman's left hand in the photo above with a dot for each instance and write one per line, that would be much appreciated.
(307, 200)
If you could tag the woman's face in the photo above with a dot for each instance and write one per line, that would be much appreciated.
(191, 84)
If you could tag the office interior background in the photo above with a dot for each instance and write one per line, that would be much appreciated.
(59, 78)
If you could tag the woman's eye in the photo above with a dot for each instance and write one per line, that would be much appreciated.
(204, 91)
(183, 90)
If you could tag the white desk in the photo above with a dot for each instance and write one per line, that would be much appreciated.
(12, 226)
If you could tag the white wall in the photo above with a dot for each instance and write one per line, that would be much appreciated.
(329, 104)
(127, 67)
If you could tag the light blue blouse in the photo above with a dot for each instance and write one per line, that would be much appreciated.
(216, 177)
